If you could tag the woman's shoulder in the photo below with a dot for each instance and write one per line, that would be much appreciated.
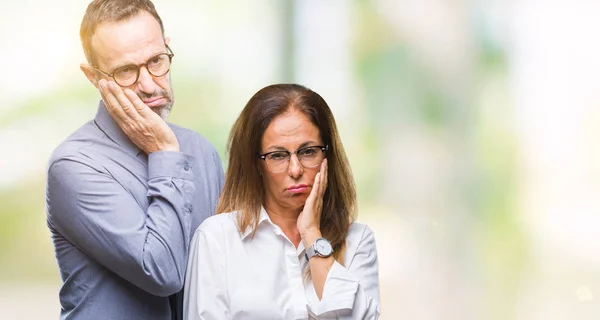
(359, 235)
(358, 230)
(219, 222)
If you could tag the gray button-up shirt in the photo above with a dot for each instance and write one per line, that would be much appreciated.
(121, 221)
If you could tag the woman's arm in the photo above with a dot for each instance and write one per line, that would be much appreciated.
(350, 291)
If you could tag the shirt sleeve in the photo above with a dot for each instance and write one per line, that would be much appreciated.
(147, 247)
(350, 292)
(205, 290)
(220, 172)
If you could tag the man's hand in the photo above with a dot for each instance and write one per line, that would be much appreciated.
(144, 127)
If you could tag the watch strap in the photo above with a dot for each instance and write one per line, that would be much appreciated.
(310, 251)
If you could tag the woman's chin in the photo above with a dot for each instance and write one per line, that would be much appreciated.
(297, 201)
(301, 197)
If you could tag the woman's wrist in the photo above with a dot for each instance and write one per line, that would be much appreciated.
(309, 236)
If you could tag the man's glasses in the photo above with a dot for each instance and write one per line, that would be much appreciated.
(309, 157)
(128, 75)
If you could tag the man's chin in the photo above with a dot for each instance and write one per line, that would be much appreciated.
(162, 111)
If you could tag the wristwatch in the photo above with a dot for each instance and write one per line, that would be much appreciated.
(321, 248)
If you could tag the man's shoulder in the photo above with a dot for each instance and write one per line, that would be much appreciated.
(189, 135)
(83, 138)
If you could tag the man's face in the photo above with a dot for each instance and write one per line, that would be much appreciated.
(135, 41)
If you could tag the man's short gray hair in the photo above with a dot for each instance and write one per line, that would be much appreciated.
(100, 11)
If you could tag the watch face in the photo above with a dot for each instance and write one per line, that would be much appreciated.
(323, 247)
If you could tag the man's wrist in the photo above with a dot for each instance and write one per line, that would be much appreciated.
(171, 164)
(170, 147)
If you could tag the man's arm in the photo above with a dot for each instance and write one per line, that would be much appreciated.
(220, 174)
(149, 248)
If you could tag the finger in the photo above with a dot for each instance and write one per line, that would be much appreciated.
(326, 176)
(110, 102)
(124, 102)
(323, 180)
(315, 189)
(318, 197)
(142, 109)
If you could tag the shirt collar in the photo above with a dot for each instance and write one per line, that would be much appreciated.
(263, 217)
(108, 125)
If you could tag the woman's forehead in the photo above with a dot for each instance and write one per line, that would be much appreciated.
(290, 127)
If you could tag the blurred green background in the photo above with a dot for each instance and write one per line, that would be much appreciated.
(471, 127)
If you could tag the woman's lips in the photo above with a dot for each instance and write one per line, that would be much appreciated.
(297, 188)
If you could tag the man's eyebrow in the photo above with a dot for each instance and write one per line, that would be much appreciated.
(138, 64)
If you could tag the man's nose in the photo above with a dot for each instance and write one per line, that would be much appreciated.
(146, 82)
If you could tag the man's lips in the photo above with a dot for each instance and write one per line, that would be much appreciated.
(154, 102)
(299, 188)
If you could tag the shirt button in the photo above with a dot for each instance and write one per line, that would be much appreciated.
(186, 167)
(188, 207)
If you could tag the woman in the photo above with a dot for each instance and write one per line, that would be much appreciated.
(288, 188)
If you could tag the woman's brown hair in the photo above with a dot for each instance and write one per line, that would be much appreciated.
(243, 188)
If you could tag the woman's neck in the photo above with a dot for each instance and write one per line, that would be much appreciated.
(286, 219)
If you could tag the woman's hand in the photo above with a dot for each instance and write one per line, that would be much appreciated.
(309, 220)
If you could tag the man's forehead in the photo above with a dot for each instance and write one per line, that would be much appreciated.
(131, 40)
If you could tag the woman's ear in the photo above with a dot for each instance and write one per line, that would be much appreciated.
(259, 169)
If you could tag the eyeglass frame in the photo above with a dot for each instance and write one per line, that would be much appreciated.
(169, 54)
(290, 153)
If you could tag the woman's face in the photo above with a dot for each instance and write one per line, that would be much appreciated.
(289, 189)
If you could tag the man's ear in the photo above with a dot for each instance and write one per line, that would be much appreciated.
(90, 73)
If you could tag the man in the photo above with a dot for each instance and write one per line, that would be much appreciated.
(126, 191)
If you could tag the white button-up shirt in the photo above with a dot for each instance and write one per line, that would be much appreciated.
(232, 275)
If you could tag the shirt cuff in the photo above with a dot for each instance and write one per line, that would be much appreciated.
(171, 164)
(339, 292)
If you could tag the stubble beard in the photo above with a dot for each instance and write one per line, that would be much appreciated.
(165, 110)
